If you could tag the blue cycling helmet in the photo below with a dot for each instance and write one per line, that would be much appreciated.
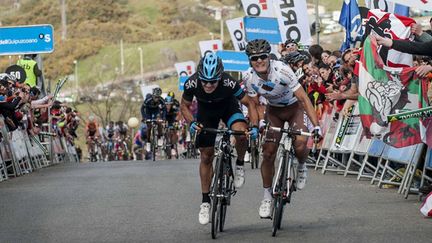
(168, 100)
(210, 68)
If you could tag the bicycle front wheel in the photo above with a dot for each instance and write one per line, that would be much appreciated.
(216, 200)
(280, 190)
(153, 143)
(224, 201)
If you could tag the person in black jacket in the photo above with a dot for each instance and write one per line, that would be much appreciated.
(416, 48)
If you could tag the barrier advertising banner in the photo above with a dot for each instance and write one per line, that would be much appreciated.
(234, 61)
(258, 8)
(26, 39)
(293, 20)
(210, 45)
(236, 30)
(262, 28)
(184, 70)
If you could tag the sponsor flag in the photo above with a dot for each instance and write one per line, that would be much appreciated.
(350, 19)
(258, 8)
(210, 45)
(184, 71)
(392, 26)
(418, 4)
(293, 20)
(386, 92)
(236, 30)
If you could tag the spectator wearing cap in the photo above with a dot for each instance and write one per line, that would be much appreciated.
(31, 68)
(289, 46)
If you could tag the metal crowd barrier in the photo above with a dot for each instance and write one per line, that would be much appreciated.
(21, 154)
(352, 156)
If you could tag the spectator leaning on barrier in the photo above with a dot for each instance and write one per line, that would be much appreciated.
(31, 68)
(13, 97)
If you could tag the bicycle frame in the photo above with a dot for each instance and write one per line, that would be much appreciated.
(222, 182)
(284, 183)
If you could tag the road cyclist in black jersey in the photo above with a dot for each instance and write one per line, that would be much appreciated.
(217, 94)
(153, 111)
(172, 113)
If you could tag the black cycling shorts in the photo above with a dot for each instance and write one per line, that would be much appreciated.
(210, 115)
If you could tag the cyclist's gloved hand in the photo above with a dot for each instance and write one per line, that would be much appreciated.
(194, 127)
(253, 132)
(317, 133)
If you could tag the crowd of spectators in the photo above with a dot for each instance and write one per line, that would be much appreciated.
(25, 107)
(328, 76)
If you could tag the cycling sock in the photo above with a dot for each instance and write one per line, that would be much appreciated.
(239, 163)
(268, 193)
(205, 198)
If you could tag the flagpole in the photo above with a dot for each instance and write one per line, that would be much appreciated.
(317, 22)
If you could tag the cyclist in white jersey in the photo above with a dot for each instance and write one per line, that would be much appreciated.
(287, 101)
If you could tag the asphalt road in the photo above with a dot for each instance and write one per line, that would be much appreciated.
(159, 202)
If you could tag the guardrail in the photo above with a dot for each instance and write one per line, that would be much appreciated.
(347, 151)
(21, 154)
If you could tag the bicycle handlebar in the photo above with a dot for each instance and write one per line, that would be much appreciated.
(291, 131)
(223, 131)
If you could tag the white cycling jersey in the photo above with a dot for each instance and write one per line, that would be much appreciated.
(278, 90)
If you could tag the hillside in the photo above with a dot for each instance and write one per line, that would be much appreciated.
(167, 31)
(93, 26)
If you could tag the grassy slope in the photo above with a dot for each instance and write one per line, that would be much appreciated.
(104, 64)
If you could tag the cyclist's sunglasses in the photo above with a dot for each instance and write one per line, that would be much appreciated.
(212, 82)
(261, 56)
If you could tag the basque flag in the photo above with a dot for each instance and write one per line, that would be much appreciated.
(350, 19)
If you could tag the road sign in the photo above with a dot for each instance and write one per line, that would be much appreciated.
(234, 61)
(26, 39)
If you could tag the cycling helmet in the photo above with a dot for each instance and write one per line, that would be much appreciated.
(171, 94)
(210, 67)
(293, 57)
(168, 100)
(257, 46)
(157, 91)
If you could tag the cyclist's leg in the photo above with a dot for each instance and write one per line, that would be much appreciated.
(270, 145)
(205, 142)
(296, 120)
(300, 144)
